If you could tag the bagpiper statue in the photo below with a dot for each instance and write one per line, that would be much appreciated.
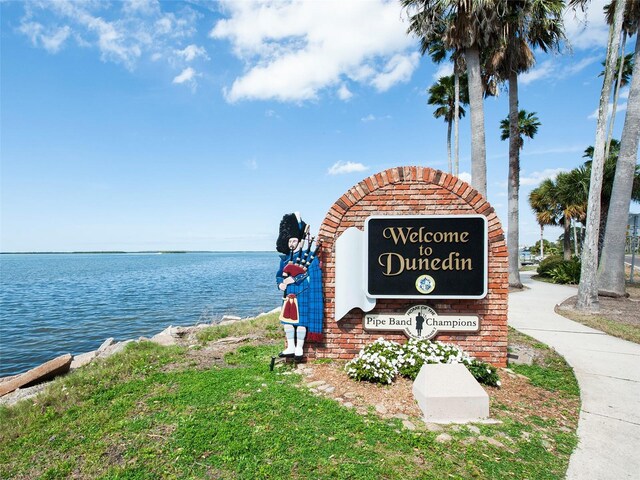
(300, 279)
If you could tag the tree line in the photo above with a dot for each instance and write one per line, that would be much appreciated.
(492, 42)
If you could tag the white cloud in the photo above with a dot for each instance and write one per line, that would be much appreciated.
(621, 107)
(544, 70)
(535, 178)
(556, 68)
(123, 34)
(344, 93)
(187, 75)
(293, 50)
(465, 177)
(587, 29)
(372, 118)
(145, 7)
(52, 40)
(398, 70)
(340, 168)
(444, 70)
(251, 164)
(192, 52)
(547, 151)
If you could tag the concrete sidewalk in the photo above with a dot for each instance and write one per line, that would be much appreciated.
(608, 372)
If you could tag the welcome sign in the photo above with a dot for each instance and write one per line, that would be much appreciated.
(437, 256)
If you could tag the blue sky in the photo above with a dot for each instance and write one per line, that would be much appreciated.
(147, 125)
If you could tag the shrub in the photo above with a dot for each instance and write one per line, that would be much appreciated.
(382, 361)
(376, 362)
(415, 353)
(568, 271)
(549, 264)
(484, 373)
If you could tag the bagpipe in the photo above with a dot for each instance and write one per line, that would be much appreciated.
(297, 265)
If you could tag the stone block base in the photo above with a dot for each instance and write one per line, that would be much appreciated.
(448, 393)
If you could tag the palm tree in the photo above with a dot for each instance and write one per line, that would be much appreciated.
(437, 51)
(543, 202)
(611, 270)
(624, 64)
(443, 94)
(526, 24)
(624, 67)
(465, 27)
(528, 125)
(588, 287)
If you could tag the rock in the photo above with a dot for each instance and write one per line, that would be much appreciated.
(113, 349)
(444, 438)
(350, 395)
(83, 359)
(473, 429)
(163, 339)
(348, 404)
(433, 427)
(469, 441)
(22, 394)
(521, 354)
(6, 379)
(106, 344)
(401, 416)
(229, 319)
(381, 409)
(408, 425)
(44, 372)
(317, 383)
(330, 389)
(227, 340)
(491, 441)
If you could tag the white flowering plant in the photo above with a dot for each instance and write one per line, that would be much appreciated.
(383, 360)
(377, 362)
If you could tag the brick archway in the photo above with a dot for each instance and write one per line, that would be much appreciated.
(415, 191)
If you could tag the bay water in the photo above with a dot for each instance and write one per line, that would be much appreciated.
(52, 304)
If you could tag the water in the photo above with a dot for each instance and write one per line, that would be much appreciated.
(70, 303)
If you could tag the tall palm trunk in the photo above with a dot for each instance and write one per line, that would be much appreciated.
(456, 120)
(449, 122)
(611, 272)
(588, 287)
(478, 149)
(541, 242)
(616, 95)
(566, 241)
(513, 235)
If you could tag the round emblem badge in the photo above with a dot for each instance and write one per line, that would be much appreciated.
(425, 284)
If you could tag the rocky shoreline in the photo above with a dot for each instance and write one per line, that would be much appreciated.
(19, 387)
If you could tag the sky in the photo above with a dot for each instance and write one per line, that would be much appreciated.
(146, 125)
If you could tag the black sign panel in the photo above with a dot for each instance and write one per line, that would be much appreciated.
(437, 256)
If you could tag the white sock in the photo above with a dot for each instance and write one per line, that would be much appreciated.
(289, 334)
(300, 334)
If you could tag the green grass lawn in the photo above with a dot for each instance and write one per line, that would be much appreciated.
(148, 413)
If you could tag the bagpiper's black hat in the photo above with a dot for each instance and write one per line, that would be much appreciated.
(290, 227)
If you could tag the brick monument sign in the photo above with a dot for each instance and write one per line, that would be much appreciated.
(413, 251)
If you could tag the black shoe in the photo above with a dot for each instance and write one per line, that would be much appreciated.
(297, 358)
(285, 355)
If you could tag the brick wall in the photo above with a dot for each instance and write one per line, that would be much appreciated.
(414, 191)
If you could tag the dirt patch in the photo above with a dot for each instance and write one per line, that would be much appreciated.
(623, 310)
(515, 399)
